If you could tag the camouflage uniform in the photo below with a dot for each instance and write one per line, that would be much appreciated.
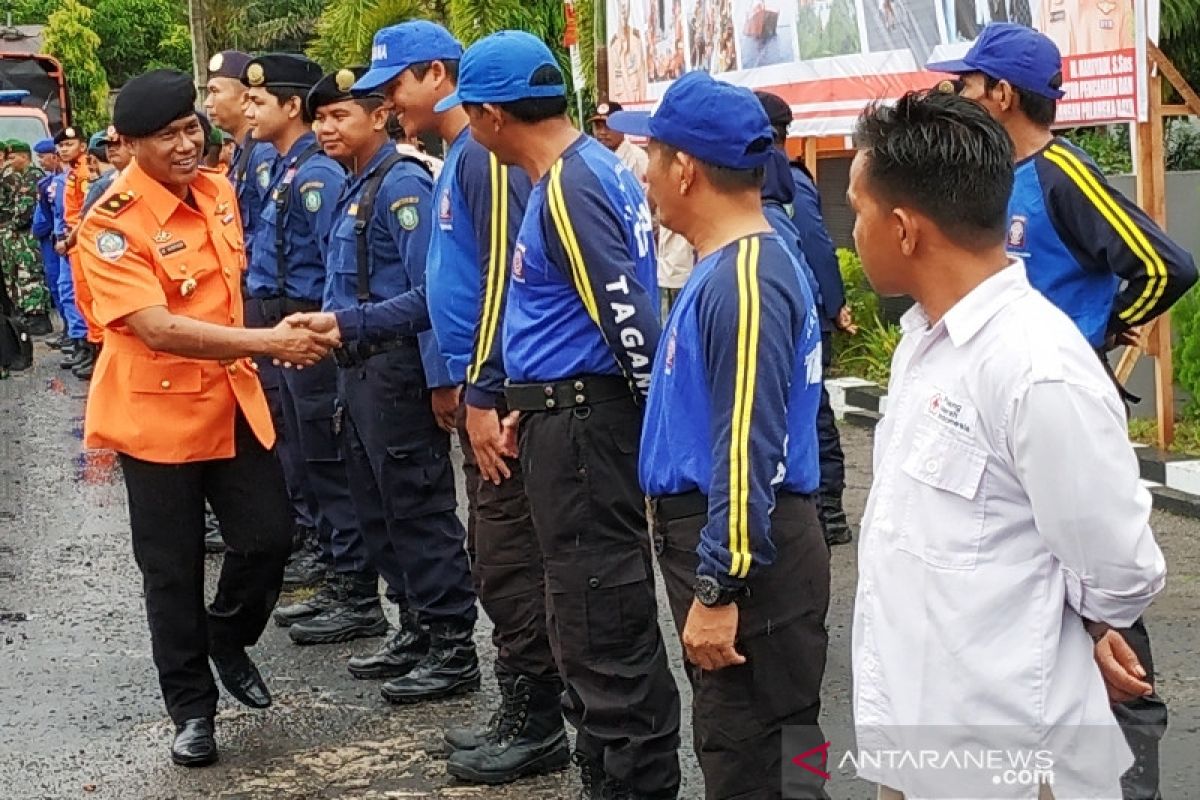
(20, 253)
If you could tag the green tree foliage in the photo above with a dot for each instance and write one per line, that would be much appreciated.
(70, 38)
(1180, 37)
(345, 28)
(137, 34)
(1185, 319)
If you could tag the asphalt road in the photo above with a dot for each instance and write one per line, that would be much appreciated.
(80, 712)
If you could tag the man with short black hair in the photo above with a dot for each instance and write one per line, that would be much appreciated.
(1093, 253)
(580, 329)
(1006, 496)
(729, 449)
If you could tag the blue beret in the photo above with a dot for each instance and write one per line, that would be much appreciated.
(44, 148)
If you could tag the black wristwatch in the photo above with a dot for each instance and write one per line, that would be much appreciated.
(711, 594)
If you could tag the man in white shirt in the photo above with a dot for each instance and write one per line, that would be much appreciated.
(631, 155)
(1006, 521)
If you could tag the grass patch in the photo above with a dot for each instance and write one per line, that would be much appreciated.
(1187, 435)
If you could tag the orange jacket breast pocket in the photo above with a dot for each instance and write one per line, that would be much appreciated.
(163, 377)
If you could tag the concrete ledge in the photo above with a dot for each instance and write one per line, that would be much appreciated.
(1172, 478)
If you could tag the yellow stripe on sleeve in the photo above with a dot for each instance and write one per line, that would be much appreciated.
(566, 233)
(497, 266)
(749, 314)
(1121, 222)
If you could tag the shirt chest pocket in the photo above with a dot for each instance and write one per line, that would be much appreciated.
(944, 500)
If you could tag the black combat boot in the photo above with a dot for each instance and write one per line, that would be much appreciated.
(833, 520)
(324, 599)
(62, 343)
(529, 737)
(355, 614)
(402, 651)
(72, 353)
(86, 365)
(470, 738)
(38, 324)
(591, 777)
(304, 567)
(450, 667)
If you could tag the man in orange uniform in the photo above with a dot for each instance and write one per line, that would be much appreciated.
(176, 395)
(74, 192)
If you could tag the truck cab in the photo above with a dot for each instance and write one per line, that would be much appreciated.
(19, 121)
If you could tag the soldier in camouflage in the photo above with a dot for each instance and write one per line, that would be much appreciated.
(19, 249)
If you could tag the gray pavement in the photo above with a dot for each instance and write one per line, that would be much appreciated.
(80, 713)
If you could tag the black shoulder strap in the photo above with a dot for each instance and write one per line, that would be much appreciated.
(243, 162)
(362, 220)
(283, 199)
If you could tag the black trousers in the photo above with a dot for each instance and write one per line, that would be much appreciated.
(1143, 720)
(402, 482)
(166, 514)
(829, 441)
(310, 400)
(589, 514)
(506, 563)
(738, 713)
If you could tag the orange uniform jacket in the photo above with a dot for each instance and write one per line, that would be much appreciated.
(78, 179)
(142, 247)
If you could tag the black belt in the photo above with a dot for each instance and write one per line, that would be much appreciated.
(678, 506)
(357, 353)
(273, 309)
(690, 504)
(557, 395)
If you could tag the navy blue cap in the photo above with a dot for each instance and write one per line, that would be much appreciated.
(1007, 51)
(281, 71)
(500, 69)
(228, 64)
(396, 48)
(44, 147)
(739, 136)
(336, 87)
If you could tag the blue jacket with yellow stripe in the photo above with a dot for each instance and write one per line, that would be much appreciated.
(1087, 248)
(583, 292)
(733, 400)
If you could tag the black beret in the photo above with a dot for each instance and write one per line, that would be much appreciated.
(228, 64)
(281, 71)
(69, 132)
(334, 88)
(779, 113)
(152, 101)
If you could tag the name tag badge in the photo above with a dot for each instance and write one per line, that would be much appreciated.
(953, 415)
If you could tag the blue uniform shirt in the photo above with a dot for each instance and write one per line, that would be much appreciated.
(733, 399)
(583, 297)
(313, 191)
(398, 245)
(818, 248)
(480, 204)
(1087, 248)
(58, 190)
(251, 180)
(97, 188)
(43, 212)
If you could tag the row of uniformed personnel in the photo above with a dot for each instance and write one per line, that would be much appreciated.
(513, 298)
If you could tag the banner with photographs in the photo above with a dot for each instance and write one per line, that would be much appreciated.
(830, 58)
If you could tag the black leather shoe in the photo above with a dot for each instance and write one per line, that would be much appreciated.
(450, 667)
(325, 598)
(471, 738)
(241, 678)
(355, 614)
(62, 343)
(72, 353)
(195, 744)
(402, 651)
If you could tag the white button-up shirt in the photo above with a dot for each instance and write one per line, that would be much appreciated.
(1006, 505)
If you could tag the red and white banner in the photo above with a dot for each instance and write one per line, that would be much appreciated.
(830, 58)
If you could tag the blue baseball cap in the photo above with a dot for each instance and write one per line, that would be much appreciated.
(738, 136)
(1007, 51)
(396, 48)
(500, 69)
(44, 147)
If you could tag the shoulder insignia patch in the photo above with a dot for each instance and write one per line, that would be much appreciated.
(111, 244)
(312, 200)
(408, 217)
(405, 201)
(116, 205)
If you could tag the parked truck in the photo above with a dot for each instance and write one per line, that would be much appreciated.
(33, 88)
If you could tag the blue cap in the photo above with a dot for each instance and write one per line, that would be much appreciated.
(44, 147)
(500, 69)
(738, 136)
(396, 48)
(1007, 51)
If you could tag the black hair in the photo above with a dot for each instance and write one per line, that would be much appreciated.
(724, 179)
(944, 156)
(780, 133)
(421, 69)
(1039, 109)
(283, 94)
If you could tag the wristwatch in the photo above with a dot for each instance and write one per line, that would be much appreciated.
(711, 594)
